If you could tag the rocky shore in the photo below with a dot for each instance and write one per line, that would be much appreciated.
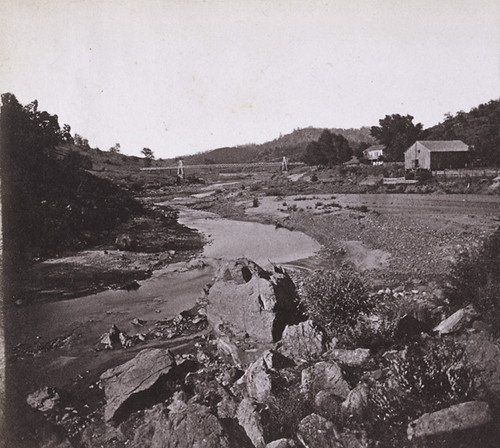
(264, 375)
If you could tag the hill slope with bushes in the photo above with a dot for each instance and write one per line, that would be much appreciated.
(49, 202)
(291, 145)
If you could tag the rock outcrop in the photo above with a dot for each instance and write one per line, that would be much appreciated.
(251, 420)
(324, 376)
(457, 321)
(188, 426)
(135, 377)
(455, 418)
(247, 301)
(302, 342)
(352, 358)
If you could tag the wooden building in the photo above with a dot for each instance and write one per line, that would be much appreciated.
(435, 155)
(374, 154)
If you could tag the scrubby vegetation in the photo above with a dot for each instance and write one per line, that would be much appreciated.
(334, 300)
(475, 278)
(50, 203)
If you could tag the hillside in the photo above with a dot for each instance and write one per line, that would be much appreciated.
(49, 202)
(290, 145)
(480, 128)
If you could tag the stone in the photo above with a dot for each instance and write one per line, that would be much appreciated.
(135, 377)
(258, 380)
(44, 400)
(227, 408)
(458, 417)
(302, 342)
(247, 301)
(282, 443)
(315, 431)
(457, 321)
(483, 356)
(326, 404)
(324, 376)
(185, 427)
(250, 419)
(125, 242)
(356, 403)
(359, 357)
(276, 361)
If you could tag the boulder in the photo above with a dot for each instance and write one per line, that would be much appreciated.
(457, 321)
(315, 431)
(352, 358)
(356, 403)
(258, 381)
(324, 376)
(455, 418)
(326, 404)
(275, 360)
(483, 356)
(46, 399)
(302, 342)
(249, 417)
(192, 425)
(135, 377)
(247, 301)
(282, 443)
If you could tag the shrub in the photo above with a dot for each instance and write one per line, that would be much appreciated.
(287, 408)
(475, 278)
(422, 379)
(334, 300)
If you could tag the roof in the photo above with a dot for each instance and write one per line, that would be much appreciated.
(374, 148)
(444, 145)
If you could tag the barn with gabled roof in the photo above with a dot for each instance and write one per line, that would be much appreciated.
(435, 155)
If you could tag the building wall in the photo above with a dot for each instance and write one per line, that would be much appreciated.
(417, 152)
(449, 160)
(437, 160)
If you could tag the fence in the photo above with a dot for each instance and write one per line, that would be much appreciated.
(398, 180)
(471, 172)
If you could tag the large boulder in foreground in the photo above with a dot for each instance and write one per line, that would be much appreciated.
(127, 381)
(186, 426)
(247, 301)
(455, 418)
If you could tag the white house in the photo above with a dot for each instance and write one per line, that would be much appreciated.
(374, 154)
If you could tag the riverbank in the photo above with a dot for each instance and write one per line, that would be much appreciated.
(403, 242)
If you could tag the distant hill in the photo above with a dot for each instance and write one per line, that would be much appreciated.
(480, 128)
(290, 145)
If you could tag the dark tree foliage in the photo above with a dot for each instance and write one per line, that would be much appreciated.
(480, 128)
(313, 155)
(397, 133)
(48, 204)
(330, 149)
(148, 156)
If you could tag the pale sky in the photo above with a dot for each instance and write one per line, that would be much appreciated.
(185, 76)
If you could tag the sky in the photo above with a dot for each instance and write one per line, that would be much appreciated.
(181, 77)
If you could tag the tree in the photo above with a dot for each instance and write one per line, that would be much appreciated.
(342, 148)
(148, 156)
(313, 155)
(327, 148)
(330, 149)
(115, 149)
(397, 133)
